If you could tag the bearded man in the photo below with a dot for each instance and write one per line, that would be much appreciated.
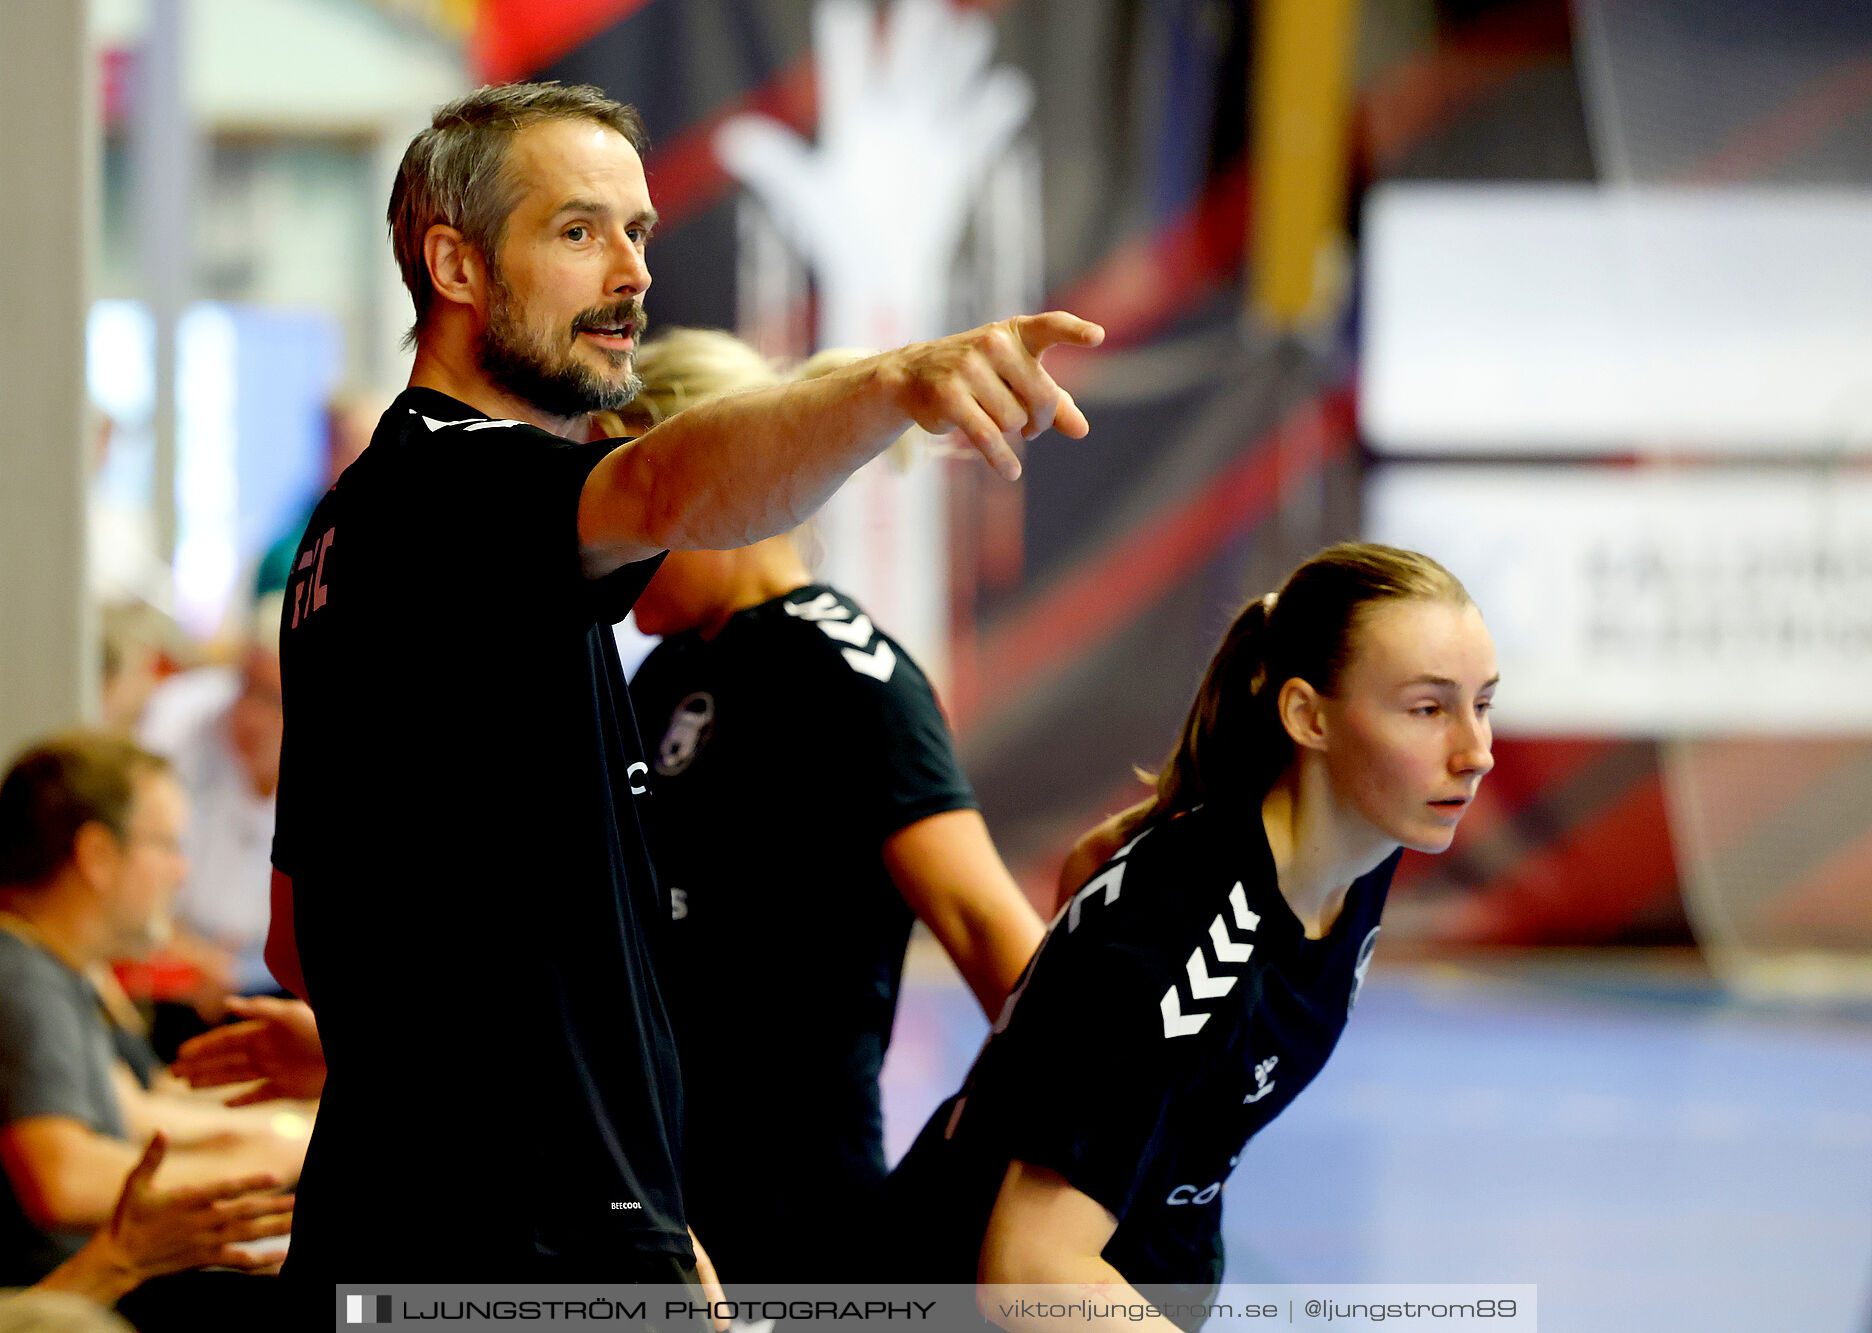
(461, 889)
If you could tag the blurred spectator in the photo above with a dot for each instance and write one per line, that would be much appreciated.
(122, 559)
(141, 646)
(91, 835)
(350, 418)
(220, 729)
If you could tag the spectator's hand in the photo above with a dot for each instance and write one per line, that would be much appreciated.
(278, 1044)
(988, 385)
(153, 1232)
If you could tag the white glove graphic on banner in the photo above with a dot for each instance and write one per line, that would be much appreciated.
(910, 122)
(913, 118)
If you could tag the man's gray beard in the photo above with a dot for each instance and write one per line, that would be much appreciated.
(514, 360)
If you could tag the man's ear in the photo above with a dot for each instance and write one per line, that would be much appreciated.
(95, 851)
(1302, 714)
(456, 269)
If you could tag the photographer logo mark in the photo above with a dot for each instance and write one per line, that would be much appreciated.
(367, 1310)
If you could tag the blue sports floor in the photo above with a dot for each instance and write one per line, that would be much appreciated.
(1654, 1157)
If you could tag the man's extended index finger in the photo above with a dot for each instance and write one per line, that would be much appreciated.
(1039, 332)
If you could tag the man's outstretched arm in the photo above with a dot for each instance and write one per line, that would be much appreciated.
(737, 469)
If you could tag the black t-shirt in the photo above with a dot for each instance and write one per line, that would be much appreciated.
(1175, 1007)
(473, 900)
(786, 750)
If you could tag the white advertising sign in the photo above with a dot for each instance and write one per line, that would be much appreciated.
(1724, 601)
(1565, 319)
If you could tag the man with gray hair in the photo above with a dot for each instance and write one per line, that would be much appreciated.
(457, 823)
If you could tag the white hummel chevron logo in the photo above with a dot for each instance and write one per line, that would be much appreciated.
(1202, 985)
(877, 664)
(1226, 950)
(823, 607)
(1238, 902)
(838, 623)
(1175, 1024)
(857, 632)
(472, 423)
(1107, 879)
(433, 424)
(1229, 952)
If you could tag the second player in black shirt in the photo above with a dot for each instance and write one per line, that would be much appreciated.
(787, 750)
(806, 806)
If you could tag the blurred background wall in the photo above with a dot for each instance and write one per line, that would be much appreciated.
(1573, 296)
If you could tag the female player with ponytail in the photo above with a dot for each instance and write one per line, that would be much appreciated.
(1201, 973)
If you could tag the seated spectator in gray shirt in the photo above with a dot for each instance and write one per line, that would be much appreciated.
(90, 837)
(55, 1061)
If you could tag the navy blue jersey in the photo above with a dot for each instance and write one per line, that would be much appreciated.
(473, 900)
(786, 750)
(1175, 1007)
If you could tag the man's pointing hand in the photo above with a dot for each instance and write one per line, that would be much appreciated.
(988, 385)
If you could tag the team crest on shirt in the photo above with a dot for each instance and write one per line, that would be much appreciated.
(1263, 1084)
(1358, 968)
(689, 728)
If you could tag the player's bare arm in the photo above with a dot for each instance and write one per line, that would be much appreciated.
(947, 869)
(1045, 1232)
(738, 469)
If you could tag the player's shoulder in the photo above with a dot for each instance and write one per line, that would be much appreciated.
(1166, 886)
(424, 429)
(433, 452)
(833, 631)
(426, 414)
(1167, 926)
